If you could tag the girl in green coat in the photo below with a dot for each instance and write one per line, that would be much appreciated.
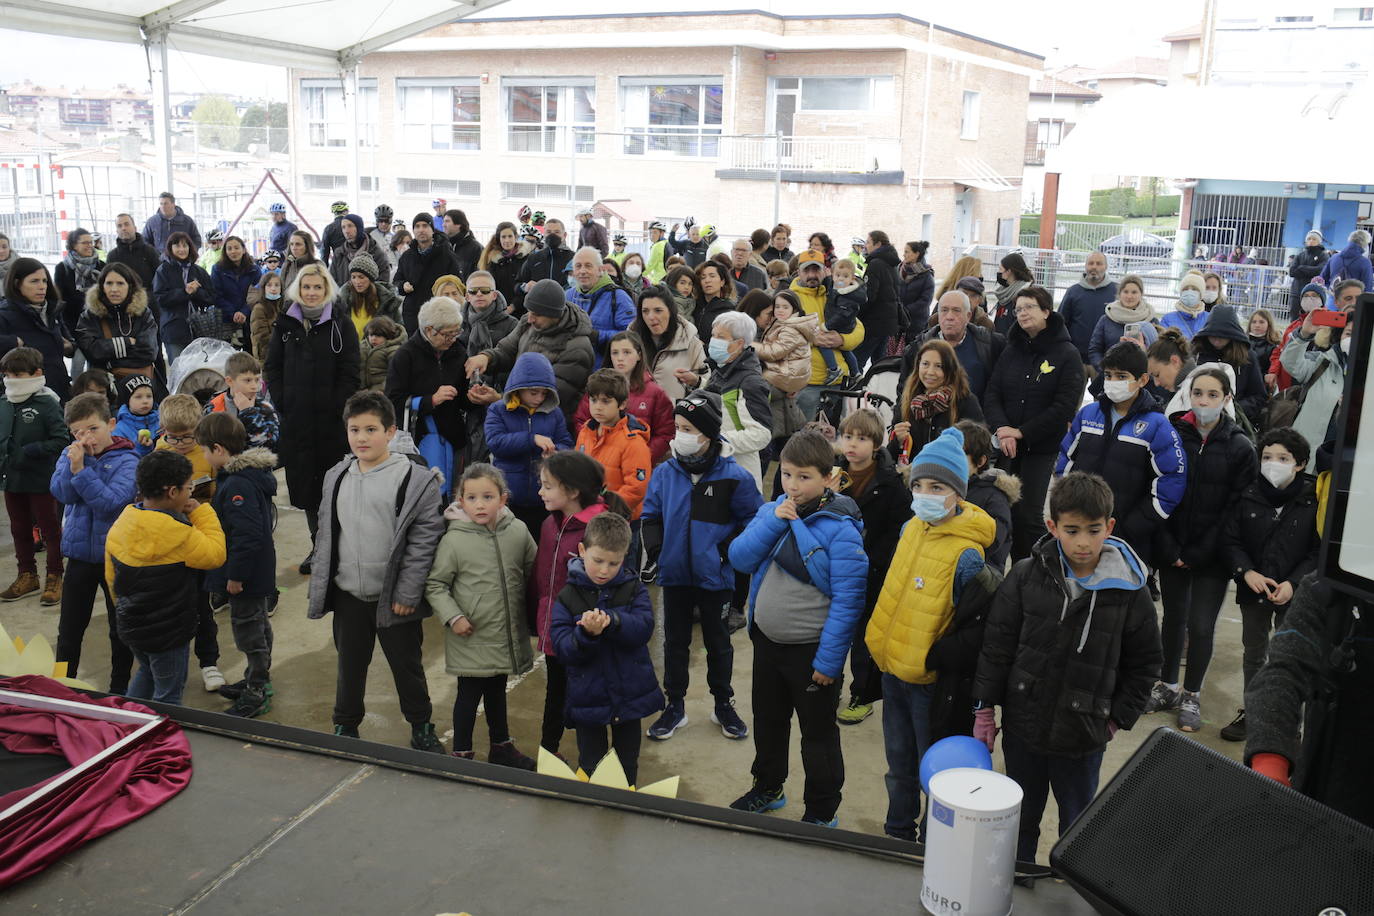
(477, 587)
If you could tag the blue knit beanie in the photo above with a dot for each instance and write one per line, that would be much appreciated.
(944, 460)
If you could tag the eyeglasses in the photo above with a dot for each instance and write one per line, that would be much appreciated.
(446, 335)
(178, 440)
(1027, 309)
(479, 290)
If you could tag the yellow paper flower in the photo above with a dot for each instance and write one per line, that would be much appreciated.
(35, 657)
(1045, 367)
(608, 773)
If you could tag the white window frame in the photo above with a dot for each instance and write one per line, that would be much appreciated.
(562, 128)
(881, 91)
(408, 124)
(366, 183)
(329, 121)
(968, 116)
(585, 192)
(701, 141)
(456, 191)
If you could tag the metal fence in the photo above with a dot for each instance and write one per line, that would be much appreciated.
(1247, 286)
(1078, 235)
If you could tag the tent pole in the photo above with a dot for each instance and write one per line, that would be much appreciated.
(354, 109)
(162, 105)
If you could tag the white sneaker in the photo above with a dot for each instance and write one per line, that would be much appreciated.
(213, 679)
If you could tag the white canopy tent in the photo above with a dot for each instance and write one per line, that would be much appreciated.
(1231, 132)
(330, 35)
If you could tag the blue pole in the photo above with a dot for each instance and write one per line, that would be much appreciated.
(1317, 207)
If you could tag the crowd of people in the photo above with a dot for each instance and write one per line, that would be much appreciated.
(519, 437)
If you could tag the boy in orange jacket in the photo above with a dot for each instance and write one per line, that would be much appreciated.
(618, 440)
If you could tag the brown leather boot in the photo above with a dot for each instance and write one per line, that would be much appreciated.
(52, 590)
(24, 584)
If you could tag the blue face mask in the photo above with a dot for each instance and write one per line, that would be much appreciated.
(928, 508)
(1190, 298)
(718, 350)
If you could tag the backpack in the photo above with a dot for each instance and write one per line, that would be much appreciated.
(437, 451)
(1284, 407)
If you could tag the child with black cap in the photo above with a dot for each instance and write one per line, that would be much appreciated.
(697, 501)
(138, 419)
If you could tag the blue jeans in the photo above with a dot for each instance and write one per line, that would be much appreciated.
(173, 351)
(161, 676)
(1073, 779)
(873, 348)
(828, 355)
(906, 735)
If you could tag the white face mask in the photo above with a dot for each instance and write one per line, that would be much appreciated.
(1210, 295)
(1345, 345)
(686, 444)
(1311, 303)
(1118, 390)
(1207, 415)
(633, 271)
(1278, 473)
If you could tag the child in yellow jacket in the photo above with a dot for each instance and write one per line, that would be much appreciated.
(151, 553)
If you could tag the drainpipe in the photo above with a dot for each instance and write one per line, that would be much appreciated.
(925, 111)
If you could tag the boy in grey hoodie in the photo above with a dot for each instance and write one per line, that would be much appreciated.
(375, 584)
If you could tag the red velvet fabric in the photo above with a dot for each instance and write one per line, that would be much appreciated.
(107, 797)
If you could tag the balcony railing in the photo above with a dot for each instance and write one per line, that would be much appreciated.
(1035, 151)
(812, 154)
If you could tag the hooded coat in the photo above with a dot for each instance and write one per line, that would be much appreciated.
(244, 491)
(1307, 265)
(482, 575)
(1219, 470)
(1250, 395)
(467, 250)
(420, 270)
(547, 263)
(785, 352)
(1063, 660)
(1036, 386)
(344, 253)
(505, 269)
(93, 499)
(262, 314)
(138, 256)
(511, 427)
(1301, 358)
(558, 539)
(310, 373)
(683, 351)
(44, 330)
(377, 360)
(608, 306)
(610, 676)
(915, 289)
(622, 450)
(569, 345)
(232, 286)
(747, 415)
(995, 492)
(173, 302)
(388, 303)
(879, 313)
(651, 407)
(159, 228)
(1083, 304)
(1271, 531)
(1350, 263)
(103, 334)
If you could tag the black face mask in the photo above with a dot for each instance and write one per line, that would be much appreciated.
(553, 240)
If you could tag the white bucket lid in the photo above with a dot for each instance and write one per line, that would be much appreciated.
(970, 789)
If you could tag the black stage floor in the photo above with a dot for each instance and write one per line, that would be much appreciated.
(279, 820)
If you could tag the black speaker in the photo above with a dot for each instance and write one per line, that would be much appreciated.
(1184, 831)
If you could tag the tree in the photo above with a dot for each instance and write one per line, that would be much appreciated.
(217, 122)
(264, 127)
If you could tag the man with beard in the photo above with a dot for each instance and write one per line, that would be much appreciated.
(1086, 301)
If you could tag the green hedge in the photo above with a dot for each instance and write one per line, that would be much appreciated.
(1123, 202)
(1031, 221)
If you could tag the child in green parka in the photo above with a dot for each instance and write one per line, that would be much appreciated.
(477, 588)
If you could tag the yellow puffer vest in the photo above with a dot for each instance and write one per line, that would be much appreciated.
(917, 599)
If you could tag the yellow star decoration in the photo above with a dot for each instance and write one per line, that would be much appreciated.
(608, 773)
(35, 657)
(1045, 367)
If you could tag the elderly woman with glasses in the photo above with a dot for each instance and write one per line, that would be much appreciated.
(426, 380)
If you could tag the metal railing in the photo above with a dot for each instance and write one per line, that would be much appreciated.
(1247, 286)
(812, 154)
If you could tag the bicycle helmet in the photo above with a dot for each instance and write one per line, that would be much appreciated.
(529, 232)
(658, 224)
(537, 218)
(278, 207)
(338, 208)
(382, 212)
(689, 222)
(619, 239)
(523, 214)
(215, 236)
(585, 211)
(272, 253)
(858, 241)
(438, 202)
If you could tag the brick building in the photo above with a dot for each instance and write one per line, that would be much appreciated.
(855, 122)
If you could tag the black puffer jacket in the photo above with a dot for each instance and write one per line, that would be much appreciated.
(505, 268)
(879, 314)
(1036, 386)
(103, 333)
(706, 313)
(1306, 266)
(884, 505)
(1273, 532)
(417, 371)
(468, 251)
(545, 264)
(1219, 470)
(924, 432)
(1250, 392)
(420, 271)
(954, 656)
(1062, 667)
(48, 335)
(310, 374)
(914, 294)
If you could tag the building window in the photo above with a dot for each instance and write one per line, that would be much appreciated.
(846, 93)
(968, 126)
(672, 117)
(439, 187)
(529, 191)
(927, 225)
(444, 114)
(1353, 14)
(337, 182)
(326, 118)
(548, 116)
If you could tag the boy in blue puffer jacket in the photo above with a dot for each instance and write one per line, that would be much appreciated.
(601, 624)
(697, 501)
(94, 481)
(138, 420)
(805, 553)
(522, 429)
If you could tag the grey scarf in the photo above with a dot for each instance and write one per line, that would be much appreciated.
(311, 315)
(1087, 285)
(84, 270)
(479, 324)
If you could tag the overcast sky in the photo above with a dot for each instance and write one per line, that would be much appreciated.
(1086, 33)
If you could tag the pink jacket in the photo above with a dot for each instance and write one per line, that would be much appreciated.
(558, 540)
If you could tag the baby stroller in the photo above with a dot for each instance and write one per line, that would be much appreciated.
(200, 368)
(877, 390)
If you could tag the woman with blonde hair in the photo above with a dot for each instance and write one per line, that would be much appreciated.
(967, 266)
